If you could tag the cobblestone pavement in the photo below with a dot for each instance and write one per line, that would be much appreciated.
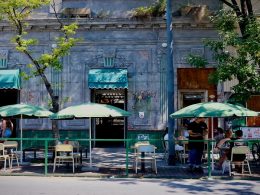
(111, 163)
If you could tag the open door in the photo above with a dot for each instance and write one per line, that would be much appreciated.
(110, 128)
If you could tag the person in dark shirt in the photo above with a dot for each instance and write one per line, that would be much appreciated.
(197, 130)
(237, 141)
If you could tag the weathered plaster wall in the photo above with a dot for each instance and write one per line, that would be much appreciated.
(137, 46)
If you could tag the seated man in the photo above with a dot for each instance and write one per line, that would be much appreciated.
(166, 138)
(237, 141)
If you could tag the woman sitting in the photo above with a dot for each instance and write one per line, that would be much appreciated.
(7, 128)
(223, 148)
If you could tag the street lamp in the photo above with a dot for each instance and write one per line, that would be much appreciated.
(170, 83)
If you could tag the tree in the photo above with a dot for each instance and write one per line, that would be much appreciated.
(237, 51)
(243, 11)
(16, 12)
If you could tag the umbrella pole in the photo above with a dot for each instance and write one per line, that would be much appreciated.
(21, 147)
(212, 147)
(90, 129)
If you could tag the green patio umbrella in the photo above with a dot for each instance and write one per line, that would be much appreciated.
(24, 111)
(213, 109)
(90, 110)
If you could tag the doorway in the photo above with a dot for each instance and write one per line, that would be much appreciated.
(7, 97)
(187, 98)
(110, 128)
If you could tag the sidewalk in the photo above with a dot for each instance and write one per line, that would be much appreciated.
(111, 163)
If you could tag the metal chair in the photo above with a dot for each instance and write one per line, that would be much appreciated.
(63, 153)
(13, 153)
(145, 153)
(240, 150)
(4, 157)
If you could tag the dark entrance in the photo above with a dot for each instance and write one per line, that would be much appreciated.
(110, 128)
(7, 97)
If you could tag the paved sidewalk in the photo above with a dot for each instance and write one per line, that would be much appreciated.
(111, 163)
(19, 185)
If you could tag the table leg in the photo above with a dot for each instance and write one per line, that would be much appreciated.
(142, 162)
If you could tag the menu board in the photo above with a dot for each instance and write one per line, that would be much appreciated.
(251, 132)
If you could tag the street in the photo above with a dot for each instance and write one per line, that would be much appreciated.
(21, 185)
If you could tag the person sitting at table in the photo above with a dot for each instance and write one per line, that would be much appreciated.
(7, 128)
(219, 135)
(223, 148)
(166, 138)
(237, 141)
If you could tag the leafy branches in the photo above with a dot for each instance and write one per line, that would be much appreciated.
(238, 57)
(155, 10)
(16, 12)
(196, 61)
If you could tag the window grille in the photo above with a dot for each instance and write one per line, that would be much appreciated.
(56, 81)
(109, 61)
(3, 63)
(3, 58)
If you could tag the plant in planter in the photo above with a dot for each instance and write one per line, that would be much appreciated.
(198, 12)
(142, 12)
(103, 14)
(196, 61)
(155, 10)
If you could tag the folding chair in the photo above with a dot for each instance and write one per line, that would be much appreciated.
(240, 150)
(13, 153)
(63, 153)
(4, 157)
(145, 153)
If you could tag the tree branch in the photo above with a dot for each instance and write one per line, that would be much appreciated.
(249, 8)
(243, 8)
(228, 4)
(53, 5)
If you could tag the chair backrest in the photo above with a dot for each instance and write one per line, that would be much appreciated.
(64, 148)
(1, 148)
(240, 150)
(141, 143)
(146, 148)
(11, 143)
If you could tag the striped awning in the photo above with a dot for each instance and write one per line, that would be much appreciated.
(10, 79)
(109, 78)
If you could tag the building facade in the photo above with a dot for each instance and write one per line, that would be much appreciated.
(120, 60)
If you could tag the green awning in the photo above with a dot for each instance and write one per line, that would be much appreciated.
(107, 78)
(10, 79)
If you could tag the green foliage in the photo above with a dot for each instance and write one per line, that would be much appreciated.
(16, 12)
(237, 56)
(142, 12)
(155, 10)
(197, 61)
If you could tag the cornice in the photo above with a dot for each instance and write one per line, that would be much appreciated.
(47, 24)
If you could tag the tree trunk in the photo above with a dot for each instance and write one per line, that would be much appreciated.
(245, 12)
(55, 109)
